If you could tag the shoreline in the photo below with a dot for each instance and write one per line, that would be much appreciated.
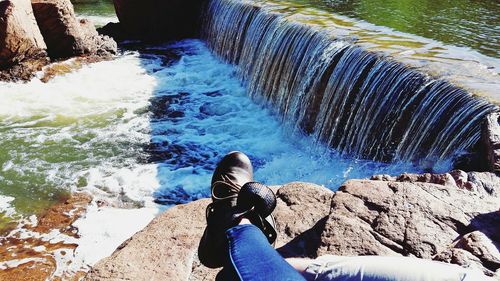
(71, 236)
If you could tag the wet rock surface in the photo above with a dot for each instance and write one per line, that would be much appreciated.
(440, 221)
(34, 257)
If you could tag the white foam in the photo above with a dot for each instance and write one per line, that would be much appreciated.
(102, 230)
(91, 90)
(14, 263)
(6, 207)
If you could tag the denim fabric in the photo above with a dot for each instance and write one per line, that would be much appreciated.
(251, 258)
(379, 268)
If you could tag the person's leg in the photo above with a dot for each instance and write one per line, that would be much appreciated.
(240, 227)
(300, 264)
(382, 268)
(252, 258)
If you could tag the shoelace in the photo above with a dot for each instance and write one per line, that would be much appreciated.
(225, 182)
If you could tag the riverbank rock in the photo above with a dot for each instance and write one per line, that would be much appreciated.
(157, 20)
(491, 141)
(65, 35)
(22, 48)
(424, 220)
(365, 217)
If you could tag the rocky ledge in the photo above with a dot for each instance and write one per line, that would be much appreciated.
(32, 33)
(453, 217)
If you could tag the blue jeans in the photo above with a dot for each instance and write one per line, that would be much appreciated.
(252, 258)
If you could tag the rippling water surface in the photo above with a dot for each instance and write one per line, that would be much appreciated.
(150, 124)
(474, 24)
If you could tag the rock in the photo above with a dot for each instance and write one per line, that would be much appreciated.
(481, 246)
(488, 183)
(167, 248)
(300, 214)
(65, 35)
(22, 48)
(97, 44)
(20, 37)
(164, 250)
(113, 30)
(410, 219)
(442, 179)
(460, 257)
(159, 19)
(382, 178)
(491, 141)
(365, 217)
(460, 177)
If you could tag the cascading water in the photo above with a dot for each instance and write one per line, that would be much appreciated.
(358, 102)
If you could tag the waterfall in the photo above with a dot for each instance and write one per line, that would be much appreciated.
(358, 102)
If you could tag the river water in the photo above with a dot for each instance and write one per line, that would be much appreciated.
(471, 24)
(146, 128)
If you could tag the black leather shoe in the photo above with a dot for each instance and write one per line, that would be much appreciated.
(232, 172)
(228, 206)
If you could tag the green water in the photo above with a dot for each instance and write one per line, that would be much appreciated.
(57, 137)
(474, 24)
(42, 157)
(94, 7)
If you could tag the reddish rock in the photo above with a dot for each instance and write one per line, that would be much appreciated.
(460, 177)
(167, 248)
(382, 178)
(460, 257)
(442, 179)
(22, 48)
(20, 37)
(481, 246)
(64, 34)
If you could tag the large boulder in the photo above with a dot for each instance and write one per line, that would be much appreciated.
(417, 219)
(65, 35)
(365, 217)
(155, 20)
(167, 248)
(21, 43)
